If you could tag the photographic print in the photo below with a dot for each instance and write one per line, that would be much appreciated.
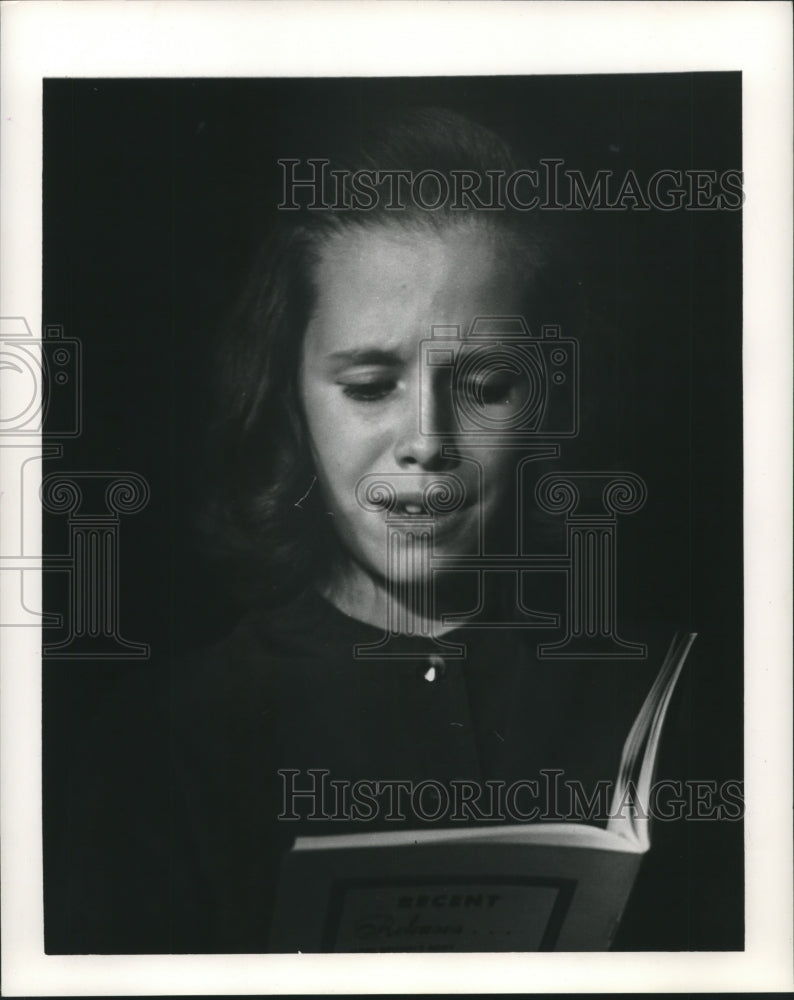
(389, 453)
(402, 520)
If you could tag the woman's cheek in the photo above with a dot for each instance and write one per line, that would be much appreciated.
(363, 443)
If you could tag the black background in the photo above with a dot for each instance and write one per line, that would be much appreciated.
(155, 194)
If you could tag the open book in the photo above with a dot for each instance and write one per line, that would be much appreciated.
(533, 887)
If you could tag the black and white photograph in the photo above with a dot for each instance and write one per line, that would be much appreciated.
(418, 502)
(388, 432)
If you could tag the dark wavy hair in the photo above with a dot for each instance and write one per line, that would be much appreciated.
(264, 522)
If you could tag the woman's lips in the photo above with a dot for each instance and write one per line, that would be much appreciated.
(420, 508)
(425, 504)
(407, 495)
(404, 515)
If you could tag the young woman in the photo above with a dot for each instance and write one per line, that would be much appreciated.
(375, 425)
(386, 412)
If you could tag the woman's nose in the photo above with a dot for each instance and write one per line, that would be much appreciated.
(426, 427)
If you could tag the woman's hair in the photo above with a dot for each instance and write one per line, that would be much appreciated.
(265, 519)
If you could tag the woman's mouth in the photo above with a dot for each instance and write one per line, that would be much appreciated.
(407, 514)
(445, 502)
(414, 496)
(421, 506)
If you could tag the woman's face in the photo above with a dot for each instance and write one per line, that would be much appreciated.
(377, 410)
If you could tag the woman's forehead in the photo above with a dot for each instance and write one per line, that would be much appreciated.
(403, 240)
(383, 280)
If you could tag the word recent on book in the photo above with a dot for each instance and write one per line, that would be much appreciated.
(314, 795)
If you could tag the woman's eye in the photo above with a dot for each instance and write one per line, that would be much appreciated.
(490, 391)
(369, 392)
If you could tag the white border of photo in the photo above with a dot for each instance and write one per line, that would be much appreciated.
(113, 38)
